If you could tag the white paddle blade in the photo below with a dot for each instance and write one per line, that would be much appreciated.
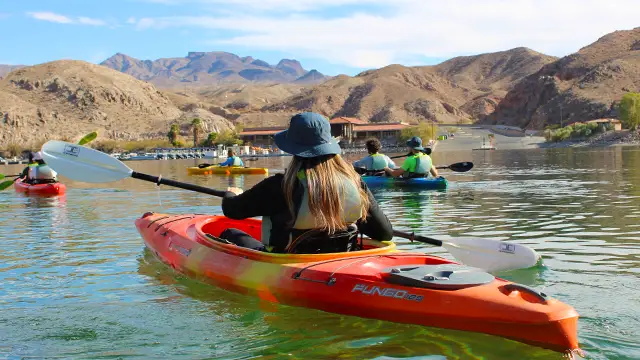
(491, 255)
(84, 164)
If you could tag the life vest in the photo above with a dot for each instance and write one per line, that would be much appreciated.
(41, 172)
(236, 161)
(379, 162)
(422, 165)
(305, 223)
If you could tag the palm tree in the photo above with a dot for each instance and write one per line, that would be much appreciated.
(196, 125)
(173, 133)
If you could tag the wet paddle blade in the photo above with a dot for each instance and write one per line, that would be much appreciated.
(5, 184)
(491, 255)
(461, 166)
(88, 138)
(82, 163)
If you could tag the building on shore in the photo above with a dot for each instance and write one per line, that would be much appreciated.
(349, 131)
(262, 136)
(617, 124)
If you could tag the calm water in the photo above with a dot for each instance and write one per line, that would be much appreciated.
(76, 282)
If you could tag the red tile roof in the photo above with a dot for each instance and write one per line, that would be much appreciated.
(379, 127)
(347, 120)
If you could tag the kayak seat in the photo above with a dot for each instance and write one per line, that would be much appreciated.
(318, 242)
(442, 276)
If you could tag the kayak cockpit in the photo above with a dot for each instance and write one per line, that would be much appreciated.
(207, 232)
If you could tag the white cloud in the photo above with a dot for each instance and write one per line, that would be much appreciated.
(89, 21)
(274, 5)
(63, 19)
(51, 17)
(131, 20)
(411, 28)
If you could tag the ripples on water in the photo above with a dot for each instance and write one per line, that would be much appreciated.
(75, 281)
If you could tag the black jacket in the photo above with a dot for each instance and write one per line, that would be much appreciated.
(267, 199)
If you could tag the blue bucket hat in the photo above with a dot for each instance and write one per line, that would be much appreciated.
(308, 135)
(415, 143)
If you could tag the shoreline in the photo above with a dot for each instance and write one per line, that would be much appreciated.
(608, 139)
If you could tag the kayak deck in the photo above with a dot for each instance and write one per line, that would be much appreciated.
(379, 282)
(214, 169)
(439, 183)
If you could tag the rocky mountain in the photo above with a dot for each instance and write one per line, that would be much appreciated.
(5, 69)
(460, 89)
(582, 86)
(493, 71)
(67, 99)
(210, 68)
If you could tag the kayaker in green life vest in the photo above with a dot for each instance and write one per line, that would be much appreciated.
(375, 162)
(318, 205)
(418, 164)
(232, 159)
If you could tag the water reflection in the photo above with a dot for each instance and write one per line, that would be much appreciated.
(74, 270)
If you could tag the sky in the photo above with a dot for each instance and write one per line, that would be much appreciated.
(332, 36)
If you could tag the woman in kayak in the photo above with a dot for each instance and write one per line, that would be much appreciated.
(417, 163)
(374, 162)
(232, 159)
(318, 205)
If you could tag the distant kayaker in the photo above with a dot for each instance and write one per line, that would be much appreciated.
(417, 164)
(25, 172)
(317, 206)
(232, 159)
(38, 172)
(374, 162)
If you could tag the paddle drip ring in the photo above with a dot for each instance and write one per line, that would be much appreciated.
(158, 190)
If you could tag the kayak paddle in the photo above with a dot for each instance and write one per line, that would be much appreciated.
(85, 140)
(88, 165)
(457, 167)
(426, 151)
(2, 176)
(486, 254)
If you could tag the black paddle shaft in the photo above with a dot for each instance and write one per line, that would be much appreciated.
(159, 180)
(419, 238)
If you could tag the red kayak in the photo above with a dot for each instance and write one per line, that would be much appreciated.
(378, 282)
(41, 189)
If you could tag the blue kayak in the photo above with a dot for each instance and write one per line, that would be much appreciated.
(414, 183)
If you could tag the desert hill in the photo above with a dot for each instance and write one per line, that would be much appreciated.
(67, 99)
(5, 69)
(212, 68)
(581, 86)
(460, 89)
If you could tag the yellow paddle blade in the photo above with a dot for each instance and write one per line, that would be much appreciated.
(88, 138)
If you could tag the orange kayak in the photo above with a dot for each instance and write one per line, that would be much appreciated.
(378, 282)
(41, 189)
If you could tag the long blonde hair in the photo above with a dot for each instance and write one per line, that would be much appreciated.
(324, 180)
